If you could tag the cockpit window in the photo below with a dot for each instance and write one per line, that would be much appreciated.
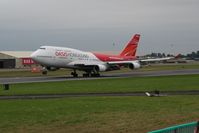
(43, 48)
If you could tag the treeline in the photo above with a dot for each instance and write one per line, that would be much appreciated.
(158, 55)
(192, 55)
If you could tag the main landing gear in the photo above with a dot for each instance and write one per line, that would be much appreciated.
(74, 74)
(85, 75)
(90, 74)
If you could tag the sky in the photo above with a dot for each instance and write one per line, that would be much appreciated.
(169, 26)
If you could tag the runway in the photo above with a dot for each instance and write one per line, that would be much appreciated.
(104, 76)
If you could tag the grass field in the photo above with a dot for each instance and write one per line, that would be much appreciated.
(62, 72)
(99, 114)
(96, 114)
(162, 83)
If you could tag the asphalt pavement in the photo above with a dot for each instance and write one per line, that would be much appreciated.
(14, 80)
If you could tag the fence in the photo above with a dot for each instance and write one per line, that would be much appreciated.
(184, 128)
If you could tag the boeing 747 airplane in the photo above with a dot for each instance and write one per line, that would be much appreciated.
(53, 58)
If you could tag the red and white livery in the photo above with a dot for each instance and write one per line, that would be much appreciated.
(53, 58)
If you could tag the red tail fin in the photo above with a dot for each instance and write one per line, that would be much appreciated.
(131, 47)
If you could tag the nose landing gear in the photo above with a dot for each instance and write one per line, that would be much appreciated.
(44, 71)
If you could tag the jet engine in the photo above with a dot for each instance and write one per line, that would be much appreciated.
(100, 68)
(52, 68)
(134, 65)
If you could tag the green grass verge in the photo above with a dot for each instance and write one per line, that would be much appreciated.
(96, 114)
(162, 83)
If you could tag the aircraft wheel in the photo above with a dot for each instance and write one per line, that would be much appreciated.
(95, 75)
(44, 72)
(75, 75)
(86, 75)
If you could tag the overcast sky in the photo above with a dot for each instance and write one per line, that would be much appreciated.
(170, 26)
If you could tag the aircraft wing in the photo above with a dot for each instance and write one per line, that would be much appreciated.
(156, 59)
(113, 65)
(160, 59)
(121, 62)
(90, 63)
(143, 60)
(83, 63)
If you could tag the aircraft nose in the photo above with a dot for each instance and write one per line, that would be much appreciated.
(33, 55)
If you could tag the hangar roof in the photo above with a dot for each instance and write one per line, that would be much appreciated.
(17, 54)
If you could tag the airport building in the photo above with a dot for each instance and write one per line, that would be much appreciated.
(16, 59)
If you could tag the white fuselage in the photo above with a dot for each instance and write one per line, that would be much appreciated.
(53, 58)
(63, 57)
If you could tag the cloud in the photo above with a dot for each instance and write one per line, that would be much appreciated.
(41, 20)
(51, 14)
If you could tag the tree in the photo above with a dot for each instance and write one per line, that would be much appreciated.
(197, 54)
(163, 54)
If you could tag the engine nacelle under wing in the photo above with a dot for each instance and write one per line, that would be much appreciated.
(100, 68)
(52, 68)
(134, 65)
